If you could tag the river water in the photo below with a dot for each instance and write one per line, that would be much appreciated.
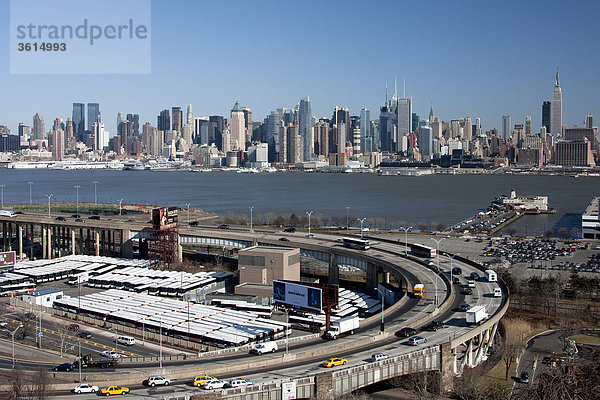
(397, 200)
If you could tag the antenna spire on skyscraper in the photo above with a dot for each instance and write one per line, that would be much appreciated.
(557, 84)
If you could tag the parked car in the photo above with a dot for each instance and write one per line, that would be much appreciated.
(64, 367)
(158, 380)
(238, 382)
(112, 390)
(194, 223)
(406, 332)
(201, 380)
(416, 340)
(85, 388)
(85, 334)
(379, 357)
(213, 384)
(335, 361)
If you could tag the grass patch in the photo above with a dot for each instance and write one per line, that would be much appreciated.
(584, 338)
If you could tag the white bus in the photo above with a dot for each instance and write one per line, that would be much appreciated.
(358, 244)
(7, 213)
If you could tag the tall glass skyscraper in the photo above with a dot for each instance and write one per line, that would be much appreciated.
(546, 112)
(93, 110)
(404, 117)
(365, 130)
(305, 125)
(78, 120)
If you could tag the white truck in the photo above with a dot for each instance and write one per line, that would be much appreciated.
(345, 325)
(79, 278)
(491, 275)
(476, 315)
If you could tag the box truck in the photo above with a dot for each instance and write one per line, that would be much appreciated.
(345, 325)
(476, 315)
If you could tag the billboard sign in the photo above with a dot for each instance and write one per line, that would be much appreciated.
(288, 390)
(164, 217)
(298, 296)
(8, 259)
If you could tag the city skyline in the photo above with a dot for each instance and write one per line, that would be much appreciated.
(468, 75)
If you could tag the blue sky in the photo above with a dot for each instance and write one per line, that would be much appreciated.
(468, 58)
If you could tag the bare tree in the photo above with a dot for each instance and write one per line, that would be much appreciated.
(63, 333)
(549, 232)
(422, 226)
(424, 385)
(440, 226)
(564, 233)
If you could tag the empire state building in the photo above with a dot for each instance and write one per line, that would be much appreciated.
(556, 116)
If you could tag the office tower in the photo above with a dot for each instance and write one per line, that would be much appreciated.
(365, 131)
(201, 130)
(236, 128)
(177, 119)
(341, 125)
(78, 118)
(305, 127)
(154, 139)
(287, 115)
(589, 121)
(415, 122)
(404, 116)
(119, 120)
(247, 124)
(24, 132)
(375, 136)
(271, 136)
(187, 131)
(431, 114)
(468, 129)
(425, 141)
(93, 111)
(387, 137)
(190, 115)
(321, 134)
(546, 113)
(164, 121)
(58, 140)
(506, 127)
(456, 128)
(556, 116)
(100, 136)
(528, 125)
(69, 131)
(215, 131)
(39, 130)
(135, 122)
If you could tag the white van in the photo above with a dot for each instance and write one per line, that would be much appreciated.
(491, 275)
(126, 340)
(497, 292)
(265, 347)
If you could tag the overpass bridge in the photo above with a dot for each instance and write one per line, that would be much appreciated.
(448, 351)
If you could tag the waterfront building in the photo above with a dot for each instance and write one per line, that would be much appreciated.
(78, 117)
(39, 130)
(590, 220)
(258, 156)
(573, 153)
(93, 113)
(556, 117)
(236, 128)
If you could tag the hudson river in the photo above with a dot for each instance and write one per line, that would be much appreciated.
(434, 199)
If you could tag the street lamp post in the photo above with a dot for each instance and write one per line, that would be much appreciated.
(95, 192)
(188, 211)
(382, 326)
(79, 361)
(406, 238)
(437, 241)
(309, 213)
(160, 335)
(12, 334)
(362, 220)
(30, 183)
(49, 196)
(347, 222)
(251, 228)
(120, 202)
(77, 196)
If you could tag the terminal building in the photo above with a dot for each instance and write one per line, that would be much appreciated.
(532, 204)
(590, 220)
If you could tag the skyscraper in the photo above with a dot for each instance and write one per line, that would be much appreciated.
(506, 127)
(425, 140)
(135, 122)
(177, 119)
(78, 120)
(546, 112)
(589, 121)
(100, 136)
(190, 115)
(556, 118)
(528, 125)
(404, 116)
(247, 124)
(119, 120)
(305, 127)
(365, 131)
(39, 130)
(164, 121)
(93, 111)
(236, 128)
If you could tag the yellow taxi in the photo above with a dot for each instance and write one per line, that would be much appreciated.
(201, 380)
(332, 362)
(113, 390)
